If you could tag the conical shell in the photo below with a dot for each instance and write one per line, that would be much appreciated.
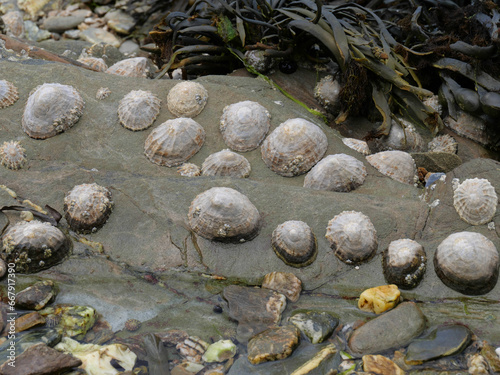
(8, 94)
(51, 109)
(102, 93)
(187, 99)
(352, 237)
(12, 155)
(244, 125)
(357, 145)
(189, 170)
(404, 263)
(295, 243)
(398, 165)
(468, 263)
(94, 62)
(87, 207)
(443, 143)
(133, 67)
(226, 163)
(475, 201)
(174, 142)
(138, 110)
(403, 136)
(339, 172)
(224, 214)
(327, 92)
(294, 147)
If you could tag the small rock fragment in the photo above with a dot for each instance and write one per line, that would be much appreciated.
(36, 296)
(273, 344)
(378, 364)
(317, 326)
(220, 351)
(379, 299)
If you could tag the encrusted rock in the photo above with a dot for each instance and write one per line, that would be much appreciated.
(187, 99)
(273, 344)
(285, 283)
(317, 326)
(379, 299)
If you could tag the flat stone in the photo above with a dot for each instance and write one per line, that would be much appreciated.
(380, 365)
(36, 296)
(61, 24)
(436, 161)
(120, 21)
(273, 344)
(95, 35)
(27, 321)
(317, 326)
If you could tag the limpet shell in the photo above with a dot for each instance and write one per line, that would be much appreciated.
(244, 125)
(404, 263)
(87, 207)
(8, 93)
(433, 102)
(294, 147)
(51, 109)
(96, 63)
(224, 214)
(226, 163)
(133, 67)
(258, 60)
(475, 201)
(403, 136)
(189, 170)
(398, 165)
(339, 172)
(295, 243)
(357, 145)
(187, 99)
(102, 93)
(327, 92)
(352, 237)
(285, 283)
(138, 110)
(443, 143)
(468, 263)
(12, 155)
(132, 325)
(174, 142)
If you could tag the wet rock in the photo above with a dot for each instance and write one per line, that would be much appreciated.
(441, 342)
(273, 344)
(436, 161)
(100, 333)
(120, 21)
(95, 35)
(187, 368)
(36, 296)
(379, 299)
(74, 321)
(27, 321)
(220, 351)
(24, 340)
(102, 10)
(378, 364)
(393, 329)
(61, 24)
(317, 326)
(3, 315)
(285, 283)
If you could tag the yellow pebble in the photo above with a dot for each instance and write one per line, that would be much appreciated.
(379, 299)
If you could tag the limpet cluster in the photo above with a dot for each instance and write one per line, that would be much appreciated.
(12, 155)
(404, 263)
(475, 201)
(295, 243)
(398, 165)
(8, 94)
(138, 110)
(187, 99)
(226, 163)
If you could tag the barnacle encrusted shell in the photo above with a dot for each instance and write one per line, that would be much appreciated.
(404, 263)
(138, 110)
(133, 67)
(398, 165)
(443, 143)
(475, 201)
(339, 172)
(469, 126)
(295, 243)
(244, 125)
(94, 62)
(285, 283)
(51, 109)
(34, 246)
(357, 145)
(226, 163)
(189, 170)
(403, 136)
(327, 92)
(102, 93)
(8, 93)
(87, 207)
(12, 155)
(258, 60)
(187, 99)
(352, 237)
(224, 214)
(294, 147)
(467, 262)
(174, 142)
(132, 325)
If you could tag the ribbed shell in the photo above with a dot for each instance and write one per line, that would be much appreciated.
(339, 172)
(189, 170)
(174, 142)
(133, 67)
(51, 109)
(443, 143)
(226, 163)
(94, 62)
(8, 94)
(87, 207)
(469, 126)
(187, 99)
(244, 125)
(138, 110)
(404, 263)
(468, 263)
(352, 236)
(294, 147)
(475, 201)
(224, 214)
(295, 243)
(327, 92)
(285, 283)
(12, 155)
(357, 145)
(404, 137)
(102, 93)
(398, 165)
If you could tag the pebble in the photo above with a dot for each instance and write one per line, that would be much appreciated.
(220, 351)
(34, 33)
(27, 321)
(36, 296)
(187, 368)
(102, 10)
(61, 24)
(95, 35)
(120, 21)
(129, 47)
(285, 283)
(24, 340)
(379, 299)
(317, 326)
(72, 34)
(380, 365)
(273, 344)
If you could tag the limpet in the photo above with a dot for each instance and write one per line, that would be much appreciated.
(189, 170)
(357, 145)
(187, 99)
(132, 325)
(443, 143)
(404, 263)
(226, 163)
(327, 92)
(96, 63)
(12, 155)
(398, 165)
(8, 94)
(133, 67)
(138, 110)
(403, 136)
(475, 201)
(295, 243)
(102, 93)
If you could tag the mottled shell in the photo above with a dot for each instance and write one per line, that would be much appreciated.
(352, 237)
(469, 126)
(475, 201)
(357, 145)
(294, 147)
(259, 61)
(102, 93)
(404, 137)
(133, 67)
(224, 214)
(12, 155)
(34, 246)
(327, 92)
(443, 143)
(174, 142)
(226, 163)
(187, 99)
(132, 325)
(138, 110)
(398, 165)
(285, 283)
(15, 23)
(8, 94)
(51, 109)
(404, 263)
(87, 207)
(94, 62)
(468, 263)
(189, 170)
(339, 172)
(244, 125)
(295, 243)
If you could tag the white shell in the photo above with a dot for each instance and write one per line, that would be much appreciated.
(51, 109)
(187, 99)
(295, 243)
(102, 93)
(8, 94)
(12, 155)
(226, 163)
(285, 283)
(352, 236)
(138, 110)
(133, 67)
(357, 145)
(294, 147)
(398, 165)
(475, 201)
(327, 92)
(404, 137)
(244, 125)
(339, 172)
(189, 170)
(443, 143)
(174, 142)
(94, 62)
(469, 126)
(404, 263)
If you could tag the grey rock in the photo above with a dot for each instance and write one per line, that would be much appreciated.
(61, 24)
(436, 161)
(102, 10)
(317, 326)
(120, 21)
(36, 296)
(129, 47)
(95, 35)
(72, 34)
(32, 32)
